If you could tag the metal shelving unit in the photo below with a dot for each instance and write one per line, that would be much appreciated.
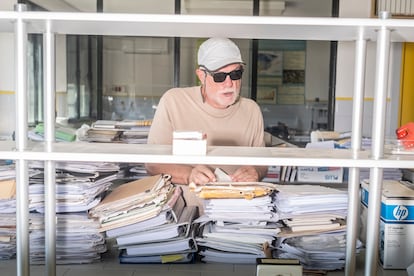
(383, 31)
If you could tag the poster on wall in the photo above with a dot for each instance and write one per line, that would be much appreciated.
(281, 74)
(270, 72)
(292, 90)
(270, 63)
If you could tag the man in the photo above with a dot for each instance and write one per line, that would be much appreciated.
(215, 108)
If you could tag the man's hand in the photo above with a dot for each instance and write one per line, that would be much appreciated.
(245, 174)
(200, 175)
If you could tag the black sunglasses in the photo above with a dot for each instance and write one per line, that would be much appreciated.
(221, 76)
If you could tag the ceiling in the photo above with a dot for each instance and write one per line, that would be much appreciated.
(225, 7)
(292, 8)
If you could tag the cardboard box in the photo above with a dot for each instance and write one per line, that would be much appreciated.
(189, 143)
(320, 174)
(396, 237)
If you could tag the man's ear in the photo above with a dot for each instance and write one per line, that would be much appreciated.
(200, 74)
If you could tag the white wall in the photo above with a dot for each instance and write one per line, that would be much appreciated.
(7, 102)
(7, 99)
(7, 5)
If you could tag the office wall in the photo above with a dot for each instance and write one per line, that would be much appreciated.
(345, 77)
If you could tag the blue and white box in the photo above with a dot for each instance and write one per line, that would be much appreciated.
(320, 174)
(396, 236)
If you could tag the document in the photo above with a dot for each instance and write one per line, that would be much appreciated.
(163, 232)
(131, 194)
(133, 202)
(211, 231)
(158, 259)
(170, 213)
(187, 244)
(128, 217)
(210, 255)
(246, 190)
(241, 209)
(298, 200)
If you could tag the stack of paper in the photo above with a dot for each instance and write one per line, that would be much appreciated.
(314, 219)
(104, 135)
(324, 251)
(78, 240)
(237, 230)
(7, 236)
(138, 135)
(78, 189)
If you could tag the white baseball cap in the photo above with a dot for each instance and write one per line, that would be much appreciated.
(217, 52)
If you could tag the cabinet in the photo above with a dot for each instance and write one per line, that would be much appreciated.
(319, 117)
(383, 31)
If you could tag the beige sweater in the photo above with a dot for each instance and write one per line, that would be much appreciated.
(182, 109)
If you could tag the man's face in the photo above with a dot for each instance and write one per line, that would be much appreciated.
(221, 94)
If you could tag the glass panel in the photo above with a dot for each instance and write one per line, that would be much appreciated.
(136, 72)
(35, 78)
(293, 86)
(81, 76)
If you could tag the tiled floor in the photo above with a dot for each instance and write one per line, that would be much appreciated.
(110, 266)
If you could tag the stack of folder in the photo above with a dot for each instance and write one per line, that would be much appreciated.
(314, 219)
(149, 221)
(239, 222)
(126, 131)
(79, 187)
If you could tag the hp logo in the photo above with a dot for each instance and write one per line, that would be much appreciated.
(400, 212)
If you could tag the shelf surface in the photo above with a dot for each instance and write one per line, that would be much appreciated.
(143, 153)
(171, 25)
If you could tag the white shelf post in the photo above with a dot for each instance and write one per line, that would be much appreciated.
(22, 178)
(49, 166)
(353, 178)
(378, 130)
